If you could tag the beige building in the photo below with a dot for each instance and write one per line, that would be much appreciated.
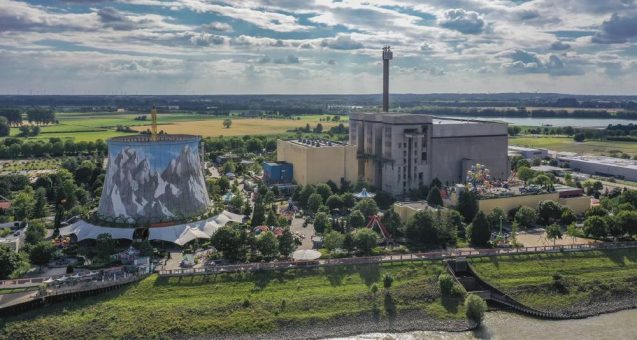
(572, 198)
(407, 210)
(317, 161)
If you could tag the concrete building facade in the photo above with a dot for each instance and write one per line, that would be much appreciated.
(317, 161)
(400, 152)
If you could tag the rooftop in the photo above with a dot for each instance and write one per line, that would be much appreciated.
(454, 121)
(522, 148)
(610, 161)
(548, 168)
(315, 142)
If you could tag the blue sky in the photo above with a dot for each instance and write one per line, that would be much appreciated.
(320, 46)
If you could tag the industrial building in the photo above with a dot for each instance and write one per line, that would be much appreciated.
(399, 152)
(601, 165)
(528, 153)
(572, 198)
(277, 173)
(317, 161)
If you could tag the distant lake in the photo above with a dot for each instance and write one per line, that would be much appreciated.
(574, 122)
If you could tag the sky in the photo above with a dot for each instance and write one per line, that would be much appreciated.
(317, 47)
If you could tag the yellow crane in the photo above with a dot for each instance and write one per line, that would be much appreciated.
(153, 127)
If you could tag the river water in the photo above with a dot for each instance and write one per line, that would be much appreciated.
(574, 122)
(505, 326)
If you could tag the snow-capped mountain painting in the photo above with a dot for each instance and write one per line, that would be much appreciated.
(154, 182)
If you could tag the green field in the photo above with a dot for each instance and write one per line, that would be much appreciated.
(90, 126)
(238, 303)
(568, 144)
(588, 277)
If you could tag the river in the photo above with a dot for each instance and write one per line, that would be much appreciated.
(574, 122)
(503, 325)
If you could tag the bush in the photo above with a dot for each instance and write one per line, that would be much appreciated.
(476, 307)
(445, 281)
(387, 281)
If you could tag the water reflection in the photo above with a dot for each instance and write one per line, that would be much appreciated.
(502, 325)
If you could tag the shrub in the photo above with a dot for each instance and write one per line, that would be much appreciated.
(374, 289)
(476, 307)
(387, 281)
(445, 281)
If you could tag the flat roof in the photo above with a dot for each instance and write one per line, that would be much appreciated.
(455, 121)
(548, 168)
(604, 160)
(522, 148)
(315, 142)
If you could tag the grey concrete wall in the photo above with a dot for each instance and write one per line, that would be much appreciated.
(448, 155)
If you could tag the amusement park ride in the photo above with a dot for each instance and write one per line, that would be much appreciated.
(374, 221)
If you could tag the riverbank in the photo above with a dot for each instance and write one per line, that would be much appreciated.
(406, 321)
(573, 284)
(300, 303)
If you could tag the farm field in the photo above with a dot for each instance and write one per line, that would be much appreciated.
(243, 303)
(90, 126)
(239, 127)
(568, 144)
(584, 277)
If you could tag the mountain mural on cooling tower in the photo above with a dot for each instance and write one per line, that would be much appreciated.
(134, 189)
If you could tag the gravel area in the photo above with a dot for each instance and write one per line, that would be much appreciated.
(405, 321)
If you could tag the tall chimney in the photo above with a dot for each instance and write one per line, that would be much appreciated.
(387, 56)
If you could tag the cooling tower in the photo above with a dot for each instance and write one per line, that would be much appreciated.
(151, 182)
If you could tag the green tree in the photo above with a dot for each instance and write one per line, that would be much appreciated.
(553, 232)
(23, 204)
(365, 240)
(572, 232)
(356, 219)
(495, 217)
(35, 233)
(392, 222)
(5, 128)
(333, 240)
(41, 253)
(9, 261)
(567, 217)
(314, 202)
(145, 248)
(543, 180)
(467, 205)
(627, 220)
(334, 202)
(579, 137)
(349, 243)
(324, 190)
(321, 222)
(421, 228)
(549, 211)
(596, 227)
(227, 123)
(596, 210)
(525, 217)
(348, 200)
(268, 245)
(39, 208)
(367, 206)
(522, 163)
(105, 246)
(258, 215)
(525, 174)
(305, 194)
(434, 198)
(287, 243)
(475, 308)
(388, 279)
(479, 231)
(229, 241)
(445, 282)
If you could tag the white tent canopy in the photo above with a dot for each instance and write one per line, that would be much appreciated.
(306, 254)
(179, 234)
(84, 230)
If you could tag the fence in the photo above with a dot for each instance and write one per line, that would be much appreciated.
(437, 255)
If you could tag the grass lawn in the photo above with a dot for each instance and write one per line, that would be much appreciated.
(236, 303)
(34, 164)
(588, 276)
(568, 144)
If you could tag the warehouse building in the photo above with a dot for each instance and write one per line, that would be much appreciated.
(528, 153)
(317, 161)
(399, 152)
(601, 165)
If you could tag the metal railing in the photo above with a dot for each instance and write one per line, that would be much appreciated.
(436, 255)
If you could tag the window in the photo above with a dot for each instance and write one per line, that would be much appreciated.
(423, 156)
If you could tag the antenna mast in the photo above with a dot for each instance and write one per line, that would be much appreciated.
(153, 127)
